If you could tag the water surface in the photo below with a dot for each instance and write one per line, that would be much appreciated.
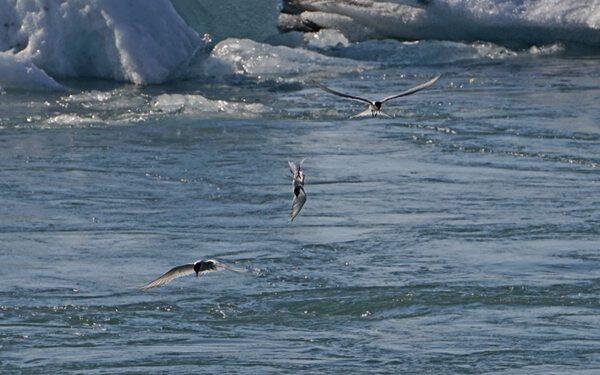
(461, 236)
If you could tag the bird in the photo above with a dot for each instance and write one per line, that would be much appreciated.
(199, 267)
(374, 108)
(298, 185)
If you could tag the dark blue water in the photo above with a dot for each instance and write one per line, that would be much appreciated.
(462, 236)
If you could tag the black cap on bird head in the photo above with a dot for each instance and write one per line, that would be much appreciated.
(378, 105)
(204, 265)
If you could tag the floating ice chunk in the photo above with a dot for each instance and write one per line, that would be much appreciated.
(198, 104)
(551, 49)
(125, 40)
(249, 58)
(18, 74)
(492, 51)
(114, 100)
(325, 39)
(72, 120)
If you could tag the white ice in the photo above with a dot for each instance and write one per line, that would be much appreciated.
(249, 58)
(137, 41)
(18, 74)
(515, 21)
(193, 104)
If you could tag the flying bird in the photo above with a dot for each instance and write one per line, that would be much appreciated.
(374, 108)
(298, 185)
(199, 267)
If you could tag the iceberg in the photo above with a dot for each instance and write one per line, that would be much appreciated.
(143, 42)
(18, 74)
(509, 22)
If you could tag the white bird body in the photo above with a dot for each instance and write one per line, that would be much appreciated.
(374, 107)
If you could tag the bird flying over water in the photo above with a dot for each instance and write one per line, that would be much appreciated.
(199, 267)
(298, 185)
(374, 108)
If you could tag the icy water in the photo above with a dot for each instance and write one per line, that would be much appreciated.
(462, 236)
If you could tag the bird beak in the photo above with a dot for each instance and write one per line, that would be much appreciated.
(196, 274)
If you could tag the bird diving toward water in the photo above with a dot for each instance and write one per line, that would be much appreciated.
(298, 185)
(199, 267)
(374, 108)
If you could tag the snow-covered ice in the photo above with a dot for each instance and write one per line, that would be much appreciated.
(137, 41)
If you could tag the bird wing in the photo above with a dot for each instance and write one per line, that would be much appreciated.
(298, 203)
(351, 97)
(293, 167)
(301, 163)
(173, 273)
(411, 91)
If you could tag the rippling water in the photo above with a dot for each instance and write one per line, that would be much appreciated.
(462, 236)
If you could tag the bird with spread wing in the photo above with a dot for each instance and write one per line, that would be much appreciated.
(374, 107)
(199, 267)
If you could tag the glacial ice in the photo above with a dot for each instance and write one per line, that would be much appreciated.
(523, 22)
(151, 42)
(18, 74)
(137, 41)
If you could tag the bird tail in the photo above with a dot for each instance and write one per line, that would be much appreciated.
(365, 113)
(293, 167)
